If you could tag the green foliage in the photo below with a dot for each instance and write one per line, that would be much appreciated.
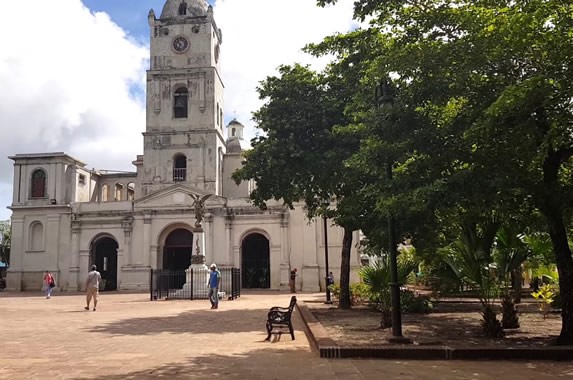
(415, 303)
(378, 278)
(470, 259)
(5, 240)
(359, 293)
(546, 296)
(481, 119)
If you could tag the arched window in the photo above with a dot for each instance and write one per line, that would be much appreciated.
(180, 102)
(104, 192)
(36, 242)
(38, 184)
(179, 168)
(218, 119)
(221, 115)
(233, 132)
(130, 191)
(118, 192)
(182, 8)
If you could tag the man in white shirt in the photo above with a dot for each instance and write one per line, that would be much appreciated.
(92, 287)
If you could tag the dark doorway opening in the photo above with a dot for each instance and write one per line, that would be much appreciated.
(256, 264)
(104, 255)
(177, 254)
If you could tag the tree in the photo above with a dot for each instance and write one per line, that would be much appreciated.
(299, 157)
(5, 234)
(487, 91)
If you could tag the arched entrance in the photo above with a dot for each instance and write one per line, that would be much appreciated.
(104, 255)
(177, 250)
(256, 264)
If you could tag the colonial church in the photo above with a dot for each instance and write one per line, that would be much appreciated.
(180, 199)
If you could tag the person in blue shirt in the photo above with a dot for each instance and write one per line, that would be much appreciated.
(214, 281)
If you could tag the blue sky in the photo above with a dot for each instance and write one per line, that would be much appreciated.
(129, 14)
(78, 85)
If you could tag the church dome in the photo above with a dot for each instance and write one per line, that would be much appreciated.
(234, 145)
(194, 8)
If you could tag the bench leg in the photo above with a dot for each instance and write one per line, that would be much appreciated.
(291, 330)
(269, 328)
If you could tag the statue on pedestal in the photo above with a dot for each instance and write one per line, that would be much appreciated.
(199, 206)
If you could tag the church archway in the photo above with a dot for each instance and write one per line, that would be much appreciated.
(255, 262)
(177, 250)
(104, 255)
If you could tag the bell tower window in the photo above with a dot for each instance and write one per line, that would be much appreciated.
(183, 8)
(179, 168)
(38, 184)
(180, 102)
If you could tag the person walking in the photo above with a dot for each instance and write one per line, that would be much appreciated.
(214, 282)
(48, 284)
(292, 280)
(92, 287)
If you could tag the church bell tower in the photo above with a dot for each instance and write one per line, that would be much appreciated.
(183, 141)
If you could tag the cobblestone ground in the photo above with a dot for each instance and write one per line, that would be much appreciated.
(129, 337)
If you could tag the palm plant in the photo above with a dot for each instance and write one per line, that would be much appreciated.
(509, 254)
(378, 278)
(470, 258)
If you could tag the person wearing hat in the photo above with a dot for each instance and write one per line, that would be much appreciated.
(214, 281)
(92, 287)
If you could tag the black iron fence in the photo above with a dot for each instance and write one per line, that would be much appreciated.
(192, 284)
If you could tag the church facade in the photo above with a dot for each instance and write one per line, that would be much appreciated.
(66, 217)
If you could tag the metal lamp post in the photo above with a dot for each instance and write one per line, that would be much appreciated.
(325, 219)
(385, 100)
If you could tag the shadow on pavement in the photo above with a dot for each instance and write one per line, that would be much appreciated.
(196, 321)
(265, 363)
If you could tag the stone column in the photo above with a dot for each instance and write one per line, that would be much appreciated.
(16, 195)
(209, 242)
(75, 256)
(147, 255)
(229, 240)
(127, 225)
(285, 251)
(84, 268)
(18, 249)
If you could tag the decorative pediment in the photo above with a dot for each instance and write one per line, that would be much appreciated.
(176, 197)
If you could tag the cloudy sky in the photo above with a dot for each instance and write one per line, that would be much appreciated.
(72, 72)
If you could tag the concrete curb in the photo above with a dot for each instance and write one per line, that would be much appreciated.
(327, 348)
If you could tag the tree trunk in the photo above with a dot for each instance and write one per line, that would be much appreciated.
(344, 301)
(550, 202)
(558, 234)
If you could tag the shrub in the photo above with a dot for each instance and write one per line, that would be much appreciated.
(415, 303)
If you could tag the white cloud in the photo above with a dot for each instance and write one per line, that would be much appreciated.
(65, 77)
(66, 74)
(260, 35)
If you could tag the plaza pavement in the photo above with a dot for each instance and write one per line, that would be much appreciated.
(130, 337)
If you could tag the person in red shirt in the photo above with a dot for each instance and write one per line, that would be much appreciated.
(49, 284)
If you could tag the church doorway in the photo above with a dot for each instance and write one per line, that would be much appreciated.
(104, 255)
(256, 264)
(177, 250)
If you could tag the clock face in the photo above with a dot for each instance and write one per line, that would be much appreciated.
(180, 44)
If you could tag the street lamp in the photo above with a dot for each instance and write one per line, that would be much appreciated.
(325, 203)
(385, 100)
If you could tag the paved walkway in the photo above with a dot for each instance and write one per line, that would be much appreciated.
(130, 337)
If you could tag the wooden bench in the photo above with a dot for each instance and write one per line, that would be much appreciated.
(279, 317)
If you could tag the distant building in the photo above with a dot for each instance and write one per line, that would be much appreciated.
(66, 217)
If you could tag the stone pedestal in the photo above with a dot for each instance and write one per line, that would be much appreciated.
(197, 275)
(196, 281)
